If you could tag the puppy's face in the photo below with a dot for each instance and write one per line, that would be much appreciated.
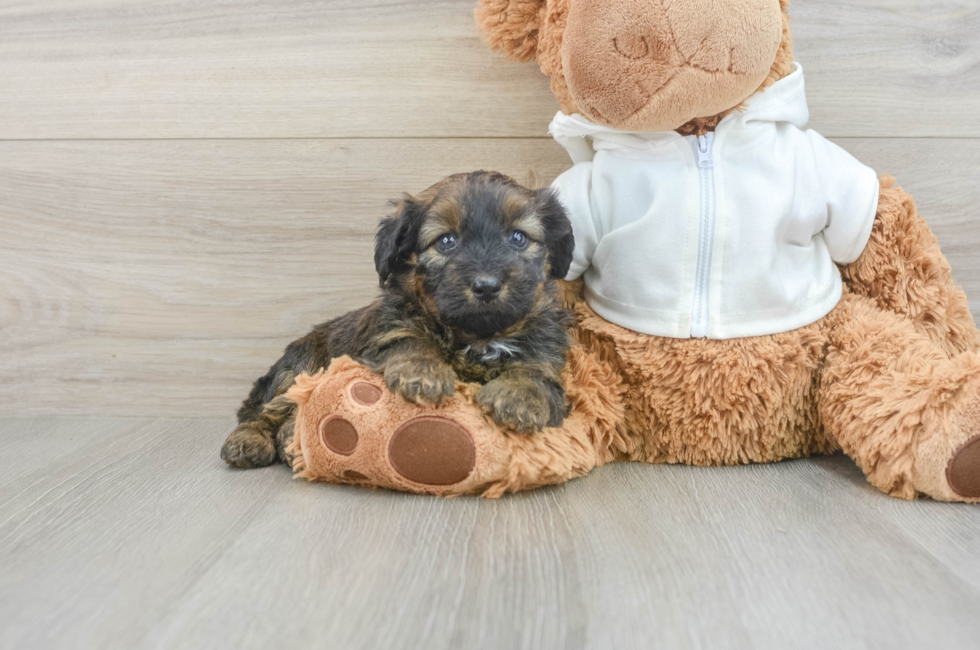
(476, 249)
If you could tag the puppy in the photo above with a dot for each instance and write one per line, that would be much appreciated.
(467, 272)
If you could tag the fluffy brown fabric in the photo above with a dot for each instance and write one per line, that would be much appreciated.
(902, 270)
(512, 26)
(659, 65)
(504, 462)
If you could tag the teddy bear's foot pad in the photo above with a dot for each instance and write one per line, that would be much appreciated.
(432, 451)
(339, 435)
(351, 429)
(426, 450)
(963, 472)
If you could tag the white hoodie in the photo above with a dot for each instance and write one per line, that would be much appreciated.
(730, 235)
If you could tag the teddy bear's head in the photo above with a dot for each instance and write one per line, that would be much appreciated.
(646, 65)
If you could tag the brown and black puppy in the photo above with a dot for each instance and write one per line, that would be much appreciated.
(468, 272)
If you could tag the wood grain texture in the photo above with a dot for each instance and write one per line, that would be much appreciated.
(160, 278)
(116, 254)
(890, 68)
(416, 68)
(143, 539)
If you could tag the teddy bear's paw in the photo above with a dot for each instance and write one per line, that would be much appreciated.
(354, 430)
(947, 462)
(963, 471)
(427, 450)
(432, 451)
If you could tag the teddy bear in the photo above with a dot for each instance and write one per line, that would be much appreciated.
(744, 291)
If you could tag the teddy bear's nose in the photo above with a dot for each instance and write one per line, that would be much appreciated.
(656, 44)
(632, 46)
(616, 55)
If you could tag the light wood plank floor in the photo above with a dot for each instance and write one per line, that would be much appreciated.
(130, 533)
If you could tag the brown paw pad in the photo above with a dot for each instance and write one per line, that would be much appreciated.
(432, 451)
(365, 394)
(963, 471)
(338, 435)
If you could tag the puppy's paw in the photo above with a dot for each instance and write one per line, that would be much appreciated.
(284, 441)
(422, 380)
(523, 406)
(247, 448)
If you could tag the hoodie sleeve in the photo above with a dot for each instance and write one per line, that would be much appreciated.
(574, 189)
(851, 193)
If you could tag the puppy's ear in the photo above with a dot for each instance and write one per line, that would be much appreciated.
(397, 238)
(557, 232)
(511, 26)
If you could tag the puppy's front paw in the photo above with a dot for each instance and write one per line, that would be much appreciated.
(519, 405)
(247, 448)
(422, 380)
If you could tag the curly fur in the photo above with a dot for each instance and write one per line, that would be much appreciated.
(429, 328)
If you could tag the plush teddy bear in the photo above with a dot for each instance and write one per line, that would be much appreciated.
(744, 290)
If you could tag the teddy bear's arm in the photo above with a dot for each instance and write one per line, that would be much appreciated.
(850, 190)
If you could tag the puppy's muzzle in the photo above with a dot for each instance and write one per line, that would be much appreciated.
(486, 288)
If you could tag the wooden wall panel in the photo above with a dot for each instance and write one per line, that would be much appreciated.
(161, 277)
(153, 276)
(416, 68)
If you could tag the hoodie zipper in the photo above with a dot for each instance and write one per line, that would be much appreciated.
(706, 174)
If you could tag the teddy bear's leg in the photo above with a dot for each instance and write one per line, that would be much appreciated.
(903, 271)
(350, 429)
(905, 411)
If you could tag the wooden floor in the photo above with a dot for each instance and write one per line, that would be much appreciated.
(130, 533)
(187, 186)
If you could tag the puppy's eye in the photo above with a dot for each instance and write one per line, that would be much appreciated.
(518, 240)
(446, 243)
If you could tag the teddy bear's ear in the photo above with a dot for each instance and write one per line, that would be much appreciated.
(511, 26)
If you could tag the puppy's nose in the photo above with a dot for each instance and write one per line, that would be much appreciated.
(486, 287)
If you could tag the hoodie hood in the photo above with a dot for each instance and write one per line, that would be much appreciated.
(784, 101)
